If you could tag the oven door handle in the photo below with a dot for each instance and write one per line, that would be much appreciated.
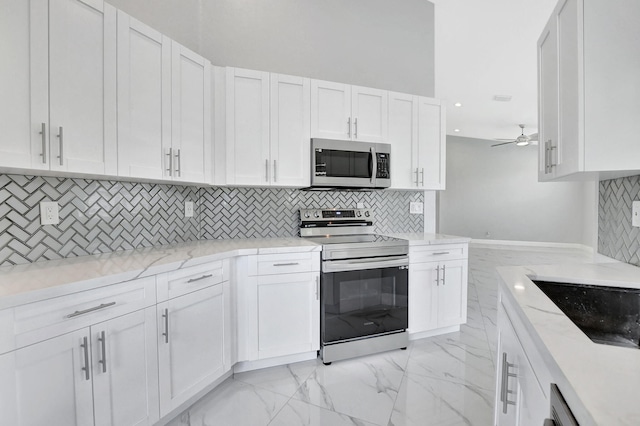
(361, 264)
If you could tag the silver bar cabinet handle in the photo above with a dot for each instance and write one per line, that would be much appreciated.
(61, 137)
(416, 176)
(165, 315)
(170, 155)
(422, 177)
(444, 274)
(103, 342)
(178, 164)
(192, 280)
(85, 346)
(355, 128)
(274, 171)
(349, 127)
(317, 287)
(43, 132)
(286, 264)
(266, 170)
(551, 163)
(504, 391)
(438, 275)
(439, 253)
(95, 308)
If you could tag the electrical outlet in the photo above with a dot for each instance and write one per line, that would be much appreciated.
(188, 209)
(49, 213)
(635, 213)
(416, 208)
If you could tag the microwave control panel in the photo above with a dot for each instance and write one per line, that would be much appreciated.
(382, 170)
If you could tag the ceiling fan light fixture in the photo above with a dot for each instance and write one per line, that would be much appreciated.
(522, 142)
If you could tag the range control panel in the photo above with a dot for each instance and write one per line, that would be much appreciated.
(334, 215)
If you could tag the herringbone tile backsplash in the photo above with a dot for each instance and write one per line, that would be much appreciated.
(616, 237)
(103, 216)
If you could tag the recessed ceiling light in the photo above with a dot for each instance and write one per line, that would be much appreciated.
(456, 130)
(502, 98)
(458, 104)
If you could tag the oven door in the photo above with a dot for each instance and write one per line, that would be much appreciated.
(363, 297)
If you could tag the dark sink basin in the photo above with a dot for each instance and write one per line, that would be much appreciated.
(607, 315)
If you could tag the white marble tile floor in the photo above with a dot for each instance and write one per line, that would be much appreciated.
(442, 380)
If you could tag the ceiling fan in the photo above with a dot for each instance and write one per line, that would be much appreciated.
(522, 140)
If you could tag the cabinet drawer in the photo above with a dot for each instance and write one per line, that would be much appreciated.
(45, 319)
(273, 264)
(183, 281)
(438, 252)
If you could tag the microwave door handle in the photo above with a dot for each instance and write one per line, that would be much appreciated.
(372, 165)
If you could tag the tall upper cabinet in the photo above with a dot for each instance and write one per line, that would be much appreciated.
(59, 86)
(589, 86)
(341, 111)
(417, 138)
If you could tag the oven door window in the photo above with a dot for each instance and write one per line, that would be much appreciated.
(336, 163)
(363, 303)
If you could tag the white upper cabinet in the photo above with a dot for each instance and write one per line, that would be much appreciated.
(588, 74)
(188, 157)
(341, 111)
(290, 131)
(247, 127)
(61, 108)
(144, 99)
(417, 138)
(267, 129)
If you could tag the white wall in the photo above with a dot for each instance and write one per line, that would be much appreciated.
(495, 191)
(375, 43)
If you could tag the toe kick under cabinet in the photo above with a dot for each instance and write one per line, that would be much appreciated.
(81, 359)
(438, 276)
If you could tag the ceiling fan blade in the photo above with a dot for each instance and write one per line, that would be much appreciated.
(503, 143)
(502, 139)
(533, 137)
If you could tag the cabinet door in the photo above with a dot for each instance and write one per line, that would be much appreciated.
(403, 137)
(548, 102)
(144, 99)
(288, 314)
(82, 76)
(431, 143)
(369, 113)
(24, 104)
(190, 153)
(125, 370)
(452, 293)
(48, 382)
(423, 297)
(570, 146)
(193, 344)
(331, 110)
(247, 127)
(290, 131)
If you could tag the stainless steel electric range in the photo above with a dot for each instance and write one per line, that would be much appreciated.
(363, 285)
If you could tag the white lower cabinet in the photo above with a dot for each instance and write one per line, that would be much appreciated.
(193, 343)
(520, 389)
(107, 371)
(437, 288)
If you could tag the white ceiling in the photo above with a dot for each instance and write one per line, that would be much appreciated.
(487, 48)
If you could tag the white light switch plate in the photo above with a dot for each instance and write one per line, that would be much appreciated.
(188, 209)
(635, 213)
(49, 213)
(416, 208)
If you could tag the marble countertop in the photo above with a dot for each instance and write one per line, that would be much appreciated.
(601, 383)
(419, 238)
(28, 283)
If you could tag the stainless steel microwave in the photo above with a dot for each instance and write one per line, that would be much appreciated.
(350, 164)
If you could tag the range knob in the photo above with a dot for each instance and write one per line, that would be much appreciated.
(306, 215)
(316, 214)
(366, 213)
(358, 213)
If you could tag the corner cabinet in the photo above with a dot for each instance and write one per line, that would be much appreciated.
(345, 112)
(438, 276)
(59, 106)
(267, 129)
(418, 142)
(588, 65)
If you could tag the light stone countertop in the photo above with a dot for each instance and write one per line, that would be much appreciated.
(28, 283)
(601, 383)
(419, 238)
